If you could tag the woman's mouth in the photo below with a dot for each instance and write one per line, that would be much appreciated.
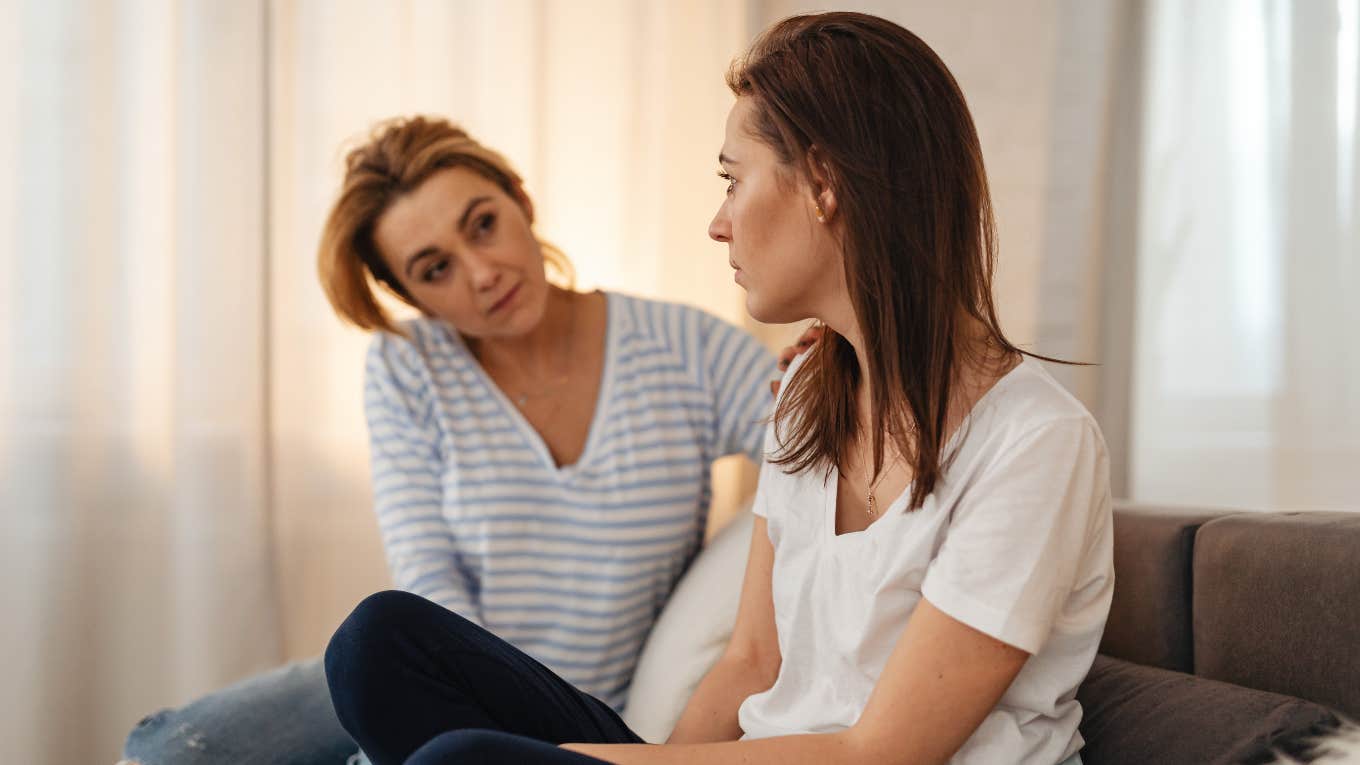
(505, 301)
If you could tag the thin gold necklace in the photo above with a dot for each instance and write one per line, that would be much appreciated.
(551, 386)
(871, 503)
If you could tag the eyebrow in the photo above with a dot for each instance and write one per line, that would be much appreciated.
(723, 159)
(462, 221)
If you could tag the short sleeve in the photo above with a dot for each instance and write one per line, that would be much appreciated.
(760, 503)
(769, 472)
(1015, 543)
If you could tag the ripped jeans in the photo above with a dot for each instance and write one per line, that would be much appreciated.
(281, 716)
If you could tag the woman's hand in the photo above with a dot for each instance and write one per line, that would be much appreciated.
(786, 356)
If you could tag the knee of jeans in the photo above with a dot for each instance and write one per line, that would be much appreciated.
(163, 738)
(356, 652)
(371, 623)
(390, 607)
(468, 747)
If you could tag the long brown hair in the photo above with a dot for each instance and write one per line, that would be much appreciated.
(880, 113)
(399, 155)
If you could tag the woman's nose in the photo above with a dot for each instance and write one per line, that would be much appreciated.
(720, 228)
(483, 273)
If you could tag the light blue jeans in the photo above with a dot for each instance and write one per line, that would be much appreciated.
(282, 716)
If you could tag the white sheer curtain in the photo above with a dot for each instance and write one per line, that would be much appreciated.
(1246, 389)
(134, 560)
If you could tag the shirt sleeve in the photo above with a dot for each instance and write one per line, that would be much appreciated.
(739, 370)
(1014, 546)
(407, 491)
(761, 501)
(760, 505)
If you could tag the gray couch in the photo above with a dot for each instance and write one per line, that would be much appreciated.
(1230, 634)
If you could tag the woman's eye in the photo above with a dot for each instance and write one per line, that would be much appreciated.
(435, 271)
(731, 182)
(486, 224)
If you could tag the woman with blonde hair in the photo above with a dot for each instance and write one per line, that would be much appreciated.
(540, 456)
(931, 565)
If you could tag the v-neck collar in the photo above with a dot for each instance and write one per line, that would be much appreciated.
(531, 437)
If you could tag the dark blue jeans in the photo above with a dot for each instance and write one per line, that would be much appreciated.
(413, 682)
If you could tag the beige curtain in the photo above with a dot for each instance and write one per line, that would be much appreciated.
(135, 565)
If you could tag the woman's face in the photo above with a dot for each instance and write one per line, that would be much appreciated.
(785, 258)
(463, 249)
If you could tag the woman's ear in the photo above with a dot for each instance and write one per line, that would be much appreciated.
(823, 195)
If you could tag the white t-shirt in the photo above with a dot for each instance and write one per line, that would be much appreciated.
(1015, 541)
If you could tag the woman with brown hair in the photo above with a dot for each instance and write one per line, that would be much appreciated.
(540, 456)
(931, 566)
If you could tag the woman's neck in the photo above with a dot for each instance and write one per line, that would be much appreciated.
(540, 350)
(977, 368)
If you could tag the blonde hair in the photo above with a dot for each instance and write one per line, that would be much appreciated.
(398, 156)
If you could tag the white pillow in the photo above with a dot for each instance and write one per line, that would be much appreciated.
(690, 634)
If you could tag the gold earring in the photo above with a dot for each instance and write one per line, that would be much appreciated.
(821, 216)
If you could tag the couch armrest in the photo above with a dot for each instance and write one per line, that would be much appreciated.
(1277, 604)
(1150, 616)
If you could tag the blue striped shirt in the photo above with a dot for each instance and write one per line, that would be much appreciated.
(571, 564)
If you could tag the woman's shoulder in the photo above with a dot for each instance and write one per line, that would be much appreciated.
(420, 340)
(1029, 400)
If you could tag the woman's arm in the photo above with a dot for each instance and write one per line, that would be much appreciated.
(945, 677)
(750, 662)
(940, 682)
(407, 491)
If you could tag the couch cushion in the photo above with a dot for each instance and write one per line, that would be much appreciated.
(1137, 715)
(1150, 614)
(690, 634)
(1277, 604)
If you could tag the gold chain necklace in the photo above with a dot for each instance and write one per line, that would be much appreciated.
(553, 386)
(872, 504)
